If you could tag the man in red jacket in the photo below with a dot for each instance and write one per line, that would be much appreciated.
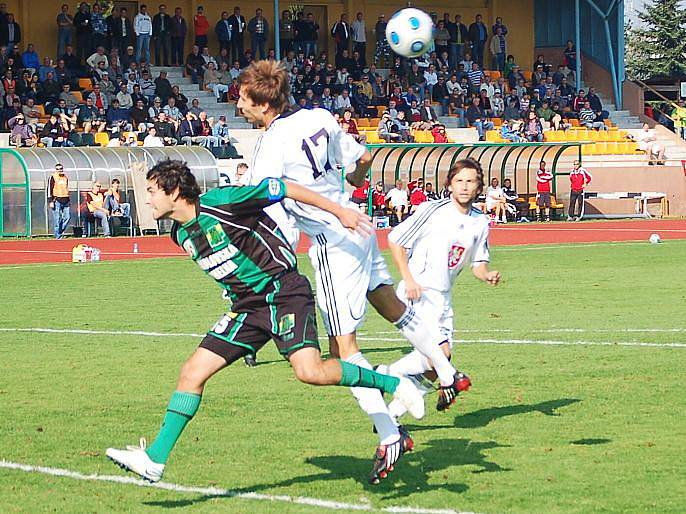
(543, 180)
(579, 178)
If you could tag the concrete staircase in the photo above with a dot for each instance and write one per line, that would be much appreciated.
(622, 118)
(206, 99)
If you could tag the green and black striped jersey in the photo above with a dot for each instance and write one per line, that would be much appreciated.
(234, 241)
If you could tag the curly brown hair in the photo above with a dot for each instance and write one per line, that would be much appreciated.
(266, 82)
(466, 163)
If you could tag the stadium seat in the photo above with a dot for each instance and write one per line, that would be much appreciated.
(528, 75)
(85, 84)
(574, 122)
(602, 148)
(588, 149)
(497, 122)
(363, 122)
(78, 96)
(373, 137)
(102, 138)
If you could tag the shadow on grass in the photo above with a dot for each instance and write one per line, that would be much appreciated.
(411, 475)
(483, 417)
(591, 441)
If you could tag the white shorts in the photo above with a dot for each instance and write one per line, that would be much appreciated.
(346, 268)
(434, 310)
(491, 203)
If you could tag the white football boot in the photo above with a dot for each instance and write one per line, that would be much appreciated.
(136, 460)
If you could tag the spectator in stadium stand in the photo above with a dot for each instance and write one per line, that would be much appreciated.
(259, 33)
(569, 55)
(478, 34)
(55, 132)
(238, 29)
(579, 178)
(241, 174)
(195, 64)
(579, 101)
(533, 129)
(591, 119)
(289, 32)
(84, 32)
(163, 88)
(152, 139)
(358, 32)
(95, 202)
(166, 129)
(123, 33)
(30, 59)
(439, 135)
(142, 26)
(65, 24)
(430, 193)
(340, 31)
(58, 200)
(498, 49)
(543, 180)
(398, 200)
(200, 27)
(508, 133)
(161, 35)
(222, 29)
(477, 118)
(178, 29)
(139, 117)
(678, 116)
(21, 133)
(654, 150)
(596, 104)
(99, 37)
(360, 195)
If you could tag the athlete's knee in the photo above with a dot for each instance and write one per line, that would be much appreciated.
(309, 372)
(192, 376)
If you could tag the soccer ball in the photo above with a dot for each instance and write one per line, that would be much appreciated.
(410, 32)
(655, 238)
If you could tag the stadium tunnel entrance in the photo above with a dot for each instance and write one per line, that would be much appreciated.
(25, 175)
(431, 162)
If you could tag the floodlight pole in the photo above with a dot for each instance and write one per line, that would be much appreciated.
(277, 22)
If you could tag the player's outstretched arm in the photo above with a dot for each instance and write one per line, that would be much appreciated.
(356, 177)
(353, 219)
(482, 272)
(413, 291)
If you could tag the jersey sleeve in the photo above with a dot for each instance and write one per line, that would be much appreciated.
(406, 233)
(481, 251)
(246, 199)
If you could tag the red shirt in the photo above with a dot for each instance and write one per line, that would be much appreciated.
(361, 192)
(579, 178)
(543, 180)
(439, 137)
(418, 196)
(378, 198)
(201, 25)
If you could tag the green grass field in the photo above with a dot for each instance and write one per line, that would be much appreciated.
(577, 406)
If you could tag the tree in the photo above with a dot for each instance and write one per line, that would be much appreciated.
(658, 49)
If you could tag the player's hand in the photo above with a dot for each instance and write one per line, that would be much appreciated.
(413, 291)
(493, 277)
(356, 221)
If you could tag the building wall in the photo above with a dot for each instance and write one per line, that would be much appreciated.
(37, 17)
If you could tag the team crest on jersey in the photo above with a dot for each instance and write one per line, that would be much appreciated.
(286, 325)
(216, 236)
(274, 188)
(190, 248)
(455, 255)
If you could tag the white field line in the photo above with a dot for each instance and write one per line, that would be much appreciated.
(215, 491)
(548, 331)
(61, 252)
(542, 342)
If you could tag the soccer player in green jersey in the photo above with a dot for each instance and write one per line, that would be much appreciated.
(234, 241)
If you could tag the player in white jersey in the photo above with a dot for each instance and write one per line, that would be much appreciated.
(430, 250)
(307, 146)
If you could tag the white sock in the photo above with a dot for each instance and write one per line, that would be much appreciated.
(414, 363)
(418, 334)
(371, 402)
(397, 409)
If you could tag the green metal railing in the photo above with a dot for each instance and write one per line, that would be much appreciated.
(13, 167)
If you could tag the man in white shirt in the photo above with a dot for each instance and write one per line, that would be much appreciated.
(307, 146)
(343, 101)
(152, 140)
(398, 199)
(142, 26)
(359, 37)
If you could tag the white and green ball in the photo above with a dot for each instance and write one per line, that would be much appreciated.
(410, 32)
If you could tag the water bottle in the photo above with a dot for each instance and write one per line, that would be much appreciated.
(135, 247)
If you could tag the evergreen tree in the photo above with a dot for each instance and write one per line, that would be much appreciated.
(658, 49)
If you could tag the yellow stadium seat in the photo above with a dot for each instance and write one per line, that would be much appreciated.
(604, 135)
(78, 96)
(527, 75)
(373, 138)
(588, 149)
(85, 84)
(102, 138)
(497, 122)
(574, 122)
(603, 148)
(362, 122)
(492, 136)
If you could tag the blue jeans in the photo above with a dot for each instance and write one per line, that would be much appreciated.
(63, 39)
(257, 44)
(454, 55)
(112, 205)
(99, 215)
(499, 61)
(143, 47)
(60, 214)
(482, 126)
(478, 53)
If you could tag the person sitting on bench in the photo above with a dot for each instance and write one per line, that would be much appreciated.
(113, 202)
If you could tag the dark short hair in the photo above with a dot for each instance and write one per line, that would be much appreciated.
(172, 174)
(467, 163)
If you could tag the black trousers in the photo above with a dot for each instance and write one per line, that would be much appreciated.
(177, 56)
(574, 198)
(162, 46)
(237, 47)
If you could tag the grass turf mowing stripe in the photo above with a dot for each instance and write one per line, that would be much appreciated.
(218, 492)
(541, 342)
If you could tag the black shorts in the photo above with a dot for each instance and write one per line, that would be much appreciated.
(543, 200)
(358, 201)
(285, 312)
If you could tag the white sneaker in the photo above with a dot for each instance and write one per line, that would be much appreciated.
(407, 394)
(136, 460)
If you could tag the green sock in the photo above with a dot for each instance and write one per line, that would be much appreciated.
(181, 409)
(355, 376)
